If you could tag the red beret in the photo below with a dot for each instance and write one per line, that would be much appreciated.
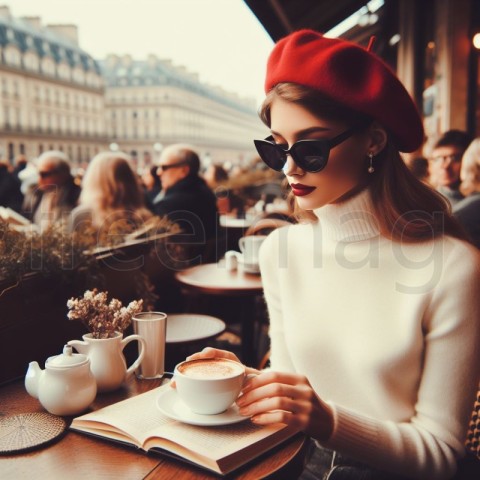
(350, 75)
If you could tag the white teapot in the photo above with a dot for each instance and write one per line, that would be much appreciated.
(66, 386)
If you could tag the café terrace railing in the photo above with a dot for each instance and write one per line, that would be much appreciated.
(33, 308)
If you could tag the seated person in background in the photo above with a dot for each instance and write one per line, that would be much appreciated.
(10, 194)
(20, 164)
(111, 193)
(467, 211)
(187, 200)
(151, 184)
(216, 176)
(55, 195)
(445, 163)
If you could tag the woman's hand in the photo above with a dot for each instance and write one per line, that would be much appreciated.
(274, 397)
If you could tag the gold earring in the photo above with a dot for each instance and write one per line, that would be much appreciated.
(370, 168)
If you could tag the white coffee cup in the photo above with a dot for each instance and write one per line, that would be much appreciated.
(152, 327)
(209, 386)
(250, 246)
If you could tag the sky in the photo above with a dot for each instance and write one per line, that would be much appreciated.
(221, 40)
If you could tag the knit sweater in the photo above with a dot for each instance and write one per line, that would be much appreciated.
(386, 332)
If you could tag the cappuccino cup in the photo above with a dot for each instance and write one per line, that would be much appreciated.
(250, 246)
(209, 386)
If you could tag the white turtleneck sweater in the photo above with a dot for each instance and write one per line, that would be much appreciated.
(387, 333)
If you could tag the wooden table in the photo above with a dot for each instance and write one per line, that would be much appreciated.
(214, 279)
(76, 456)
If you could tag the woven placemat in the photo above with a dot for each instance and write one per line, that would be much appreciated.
(28, 431)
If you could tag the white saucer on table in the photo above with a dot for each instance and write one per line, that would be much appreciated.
(248, 267)
(169, 403)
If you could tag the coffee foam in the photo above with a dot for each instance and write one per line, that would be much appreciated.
(210, 369)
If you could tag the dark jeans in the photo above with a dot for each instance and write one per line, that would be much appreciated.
(325, 464)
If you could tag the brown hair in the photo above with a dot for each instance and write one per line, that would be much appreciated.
(111, 189)
(470, 172)
(406, 208)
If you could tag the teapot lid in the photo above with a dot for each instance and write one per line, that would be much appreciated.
(67, 359)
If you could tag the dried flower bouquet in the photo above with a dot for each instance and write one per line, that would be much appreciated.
(102, 318)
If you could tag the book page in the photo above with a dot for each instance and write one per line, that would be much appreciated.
(220, 441)
(140, 418)
(135, 419)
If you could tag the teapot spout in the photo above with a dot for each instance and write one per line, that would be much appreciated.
(32, 378)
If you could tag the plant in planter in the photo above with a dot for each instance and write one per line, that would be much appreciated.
(51, 253)
(74, 259)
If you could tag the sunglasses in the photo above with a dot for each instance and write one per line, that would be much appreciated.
(162, 168)
(453, 158)
(309, 155)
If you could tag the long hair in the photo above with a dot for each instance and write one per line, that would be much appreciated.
(406, 208)
(111, 189)
(470, 172)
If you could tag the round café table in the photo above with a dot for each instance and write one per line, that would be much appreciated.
(213, 279)
(188, 332)
(185, 328)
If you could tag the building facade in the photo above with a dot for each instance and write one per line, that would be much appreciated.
(54, 95)
(51, 91)
(151, 104)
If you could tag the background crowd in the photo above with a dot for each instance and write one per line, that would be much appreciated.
(47, 191)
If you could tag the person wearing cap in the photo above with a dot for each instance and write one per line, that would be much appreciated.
(374, 348)
(446, 162)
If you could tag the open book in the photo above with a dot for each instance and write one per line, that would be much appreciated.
(138, 422)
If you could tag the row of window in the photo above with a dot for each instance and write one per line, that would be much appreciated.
(11, 88)
(145, 97)
(12, 56)
(48, 122)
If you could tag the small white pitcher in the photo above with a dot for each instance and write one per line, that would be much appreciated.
(107, 361)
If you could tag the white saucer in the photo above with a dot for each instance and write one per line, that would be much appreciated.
(248, 267)
(171, 406)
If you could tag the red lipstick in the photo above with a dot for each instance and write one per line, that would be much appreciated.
(299, 190)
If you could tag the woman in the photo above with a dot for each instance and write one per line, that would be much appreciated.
(112, 199)
(467, 211)
(373, 306)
